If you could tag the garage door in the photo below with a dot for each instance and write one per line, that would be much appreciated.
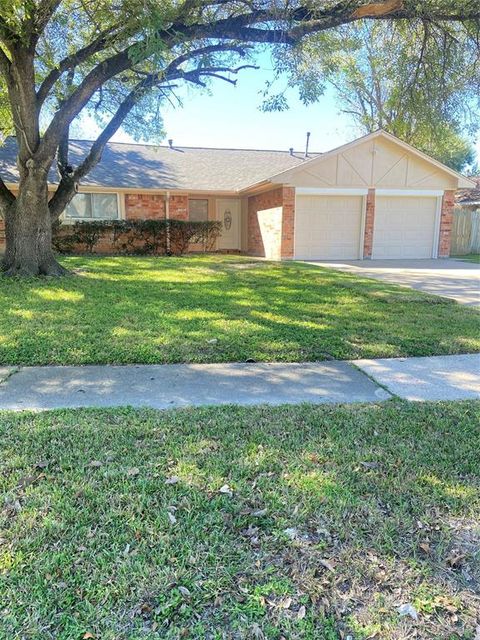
(404, 227)
(328, 227)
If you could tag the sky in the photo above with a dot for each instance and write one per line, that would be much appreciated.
(230, 117)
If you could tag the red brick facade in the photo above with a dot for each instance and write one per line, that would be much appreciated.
(271, 223)
(446, 221)
(140, 206)
(369, 223)
(178, 207)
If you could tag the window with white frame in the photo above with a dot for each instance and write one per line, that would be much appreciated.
(198, 210)
(93, 206)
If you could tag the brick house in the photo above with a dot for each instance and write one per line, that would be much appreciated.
(376, 197)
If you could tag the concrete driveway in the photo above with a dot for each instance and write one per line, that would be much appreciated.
(449, 278)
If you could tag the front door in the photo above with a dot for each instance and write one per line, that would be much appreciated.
(228, 213)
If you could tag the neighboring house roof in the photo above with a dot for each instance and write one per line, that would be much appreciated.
(468, 197)
(142, 166)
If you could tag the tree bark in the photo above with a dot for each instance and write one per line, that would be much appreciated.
(28, 233)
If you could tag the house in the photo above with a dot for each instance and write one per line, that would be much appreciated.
(376, 197)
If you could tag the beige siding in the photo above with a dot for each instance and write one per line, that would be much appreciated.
(377, 162)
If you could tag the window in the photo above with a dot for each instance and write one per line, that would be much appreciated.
(93, 206)
(198, 210)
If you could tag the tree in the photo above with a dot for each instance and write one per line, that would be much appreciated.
(62, 58)
(419, 81)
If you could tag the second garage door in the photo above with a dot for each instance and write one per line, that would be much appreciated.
(328, 227)
(404, 227)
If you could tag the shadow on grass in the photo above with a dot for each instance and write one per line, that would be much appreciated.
(296, 521)
(145, 310)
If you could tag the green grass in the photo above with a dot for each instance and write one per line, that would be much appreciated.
(471, 257)
(221, 309)
(332, 518)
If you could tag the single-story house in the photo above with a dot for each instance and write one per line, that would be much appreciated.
(376, 197)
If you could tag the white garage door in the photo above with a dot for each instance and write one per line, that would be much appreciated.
(404, 227)
(328, 227)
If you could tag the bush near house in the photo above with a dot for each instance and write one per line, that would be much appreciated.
(144, 237)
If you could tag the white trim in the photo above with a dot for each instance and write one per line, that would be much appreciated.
(409, 192)
(363, 222)
(321, 191)
(436, 231)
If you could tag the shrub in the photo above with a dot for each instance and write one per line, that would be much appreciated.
(146, 237)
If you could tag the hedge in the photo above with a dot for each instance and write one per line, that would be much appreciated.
(145, 237)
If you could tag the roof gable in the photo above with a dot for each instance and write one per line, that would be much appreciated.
(378, 159)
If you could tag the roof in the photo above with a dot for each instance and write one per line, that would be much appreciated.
(142, 166)
(469, 196)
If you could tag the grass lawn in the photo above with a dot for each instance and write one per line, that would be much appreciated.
(241, 523)
(220, 309)
(471, 257)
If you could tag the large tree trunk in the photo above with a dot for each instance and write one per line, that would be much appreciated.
(28, 233)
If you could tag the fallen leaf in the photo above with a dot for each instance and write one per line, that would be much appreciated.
(88, 635)
(302, 612)
(370, 465)
(172, 518)
(134, 471)
(425, 547)
(226, 490)
(26, 481)
(95, 464)
(326, 564)
(408, 610)
(455, 560)
(259, 513)
(184, 591)
(172, 480)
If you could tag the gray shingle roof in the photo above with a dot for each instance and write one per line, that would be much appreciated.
(158, 167)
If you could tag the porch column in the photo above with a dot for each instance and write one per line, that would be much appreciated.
(369, 224)
(446, 221)
(288, 223)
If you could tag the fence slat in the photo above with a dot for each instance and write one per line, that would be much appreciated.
(465, 232)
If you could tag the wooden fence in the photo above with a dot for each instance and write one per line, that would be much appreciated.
(465, 232)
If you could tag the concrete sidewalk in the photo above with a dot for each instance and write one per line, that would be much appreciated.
(169, 386)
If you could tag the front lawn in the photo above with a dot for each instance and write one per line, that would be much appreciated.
(221, 309)
(312, 523)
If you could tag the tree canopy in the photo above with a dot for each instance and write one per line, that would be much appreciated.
(419, 81)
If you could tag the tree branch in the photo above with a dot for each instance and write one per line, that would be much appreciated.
(72, 61)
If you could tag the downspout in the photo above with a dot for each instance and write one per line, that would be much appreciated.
(167, 218)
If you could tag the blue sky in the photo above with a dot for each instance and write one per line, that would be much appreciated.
(230, 117)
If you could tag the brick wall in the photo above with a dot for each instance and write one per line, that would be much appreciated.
(446, 221)
(178, 207)
(369, 224)
(288, 223)
(140, 206)
(271, 223)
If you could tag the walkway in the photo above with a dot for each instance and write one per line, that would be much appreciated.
(168, 386)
